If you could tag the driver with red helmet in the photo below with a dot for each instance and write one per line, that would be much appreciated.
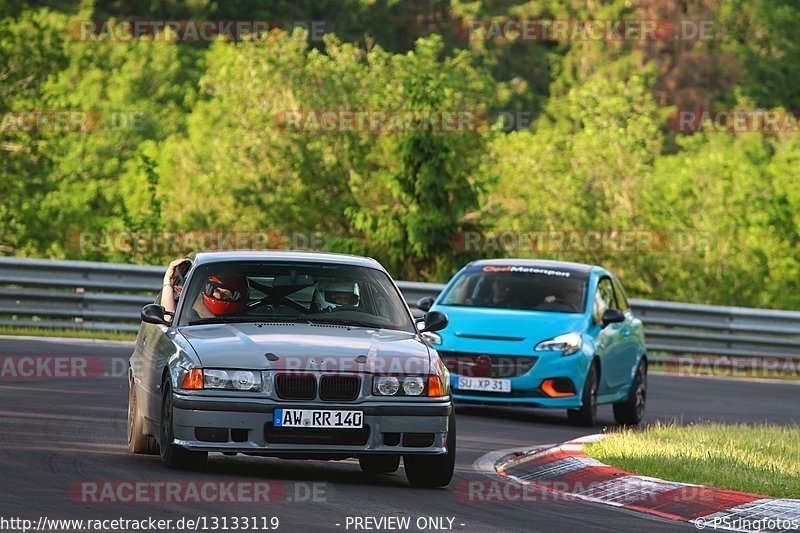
(221, 294)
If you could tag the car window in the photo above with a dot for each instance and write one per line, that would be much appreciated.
(603, 299)
(245, 290)
(526, 288)
(622, 301)
(302, 296)
(178, 280)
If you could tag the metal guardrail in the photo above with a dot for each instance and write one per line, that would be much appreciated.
(106, 296)
(75, 294)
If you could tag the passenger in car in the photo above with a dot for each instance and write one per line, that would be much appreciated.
(332, 295)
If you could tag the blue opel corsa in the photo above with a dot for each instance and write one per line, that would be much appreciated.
(538, 333)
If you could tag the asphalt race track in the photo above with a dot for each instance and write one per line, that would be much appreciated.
(56, 434)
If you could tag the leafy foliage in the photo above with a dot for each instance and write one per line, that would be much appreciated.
(207, 145)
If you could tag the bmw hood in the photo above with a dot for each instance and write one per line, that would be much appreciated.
(478, 325)
(317, 347)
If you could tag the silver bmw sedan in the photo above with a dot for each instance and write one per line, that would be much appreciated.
(294, 355)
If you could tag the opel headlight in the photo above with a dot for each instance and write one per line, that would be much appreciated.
(567, 344)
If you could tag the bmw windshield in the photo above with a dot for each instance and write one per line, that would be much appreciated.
(518, 287)
(249, 291)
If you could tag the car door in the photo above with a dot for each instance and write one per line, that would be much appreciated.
(156, 347)
(631, 332)
(151, 348)
(609, 341)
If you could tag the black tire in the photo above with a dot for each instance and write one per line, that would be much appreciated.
(379, 464)
(173, 456)
(429, 471)
(631, 411)
(138, 442)
(586, 416)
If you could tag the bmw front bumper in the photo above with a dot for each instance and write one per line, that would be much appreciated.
(216, 424)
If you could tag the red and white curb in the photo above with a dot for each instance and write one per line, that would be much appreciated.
(566, 470)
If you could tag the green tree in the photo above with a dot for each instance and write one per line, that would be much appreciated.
(139, 93)
(763, 35)
(586, 161)
(30, 51)
(366, 190)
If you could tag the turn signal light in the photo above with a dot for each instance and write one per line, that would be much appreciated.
(193, 379)
(435, 388)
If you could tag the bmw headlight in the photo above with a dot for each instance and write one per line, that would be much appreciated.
(431, 385)
(266, 382)
(413, 386)
(386, 385)
(399, 386)
(567, 344)
(241, 380)
(246, 380)
(215, 379)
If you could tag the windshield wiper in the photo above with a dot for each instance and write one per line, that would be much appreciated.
(345, 322)
(256, 319)
(244, 319)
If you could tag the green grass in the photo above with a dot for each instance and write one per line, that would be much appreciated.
(762, 459)
(71, 333)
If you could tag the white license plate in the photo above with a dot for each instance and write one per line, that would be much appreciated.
(313, 418)
(483, 384)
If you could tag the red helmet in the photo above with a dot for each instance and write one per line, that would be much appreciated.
(224, 295)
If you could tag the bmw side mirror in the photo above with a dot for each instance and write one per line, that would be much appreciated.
(612, 316)
(434, 321)
(425, 303)
(155, 314)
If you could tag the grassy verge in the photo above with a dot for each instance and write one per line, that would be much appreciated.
(71, 333)
(761, 459)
